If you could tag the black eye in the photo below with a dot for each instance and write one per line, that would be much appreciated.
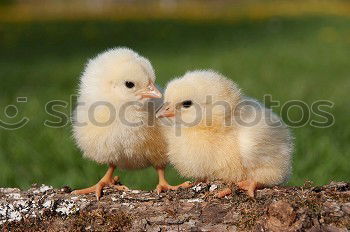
(186, 104)
(129, 84)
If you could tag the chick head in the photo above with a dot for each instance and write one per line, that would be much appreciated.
(119, 75)
(200, 98)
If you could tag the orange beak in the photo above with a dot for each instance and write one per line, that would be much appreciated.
(151, 92)
(165, 112)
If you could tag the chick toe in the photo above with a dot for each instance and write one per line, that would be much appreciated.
(249, 186)
(120, 187)
(223, 193)
(165, 186)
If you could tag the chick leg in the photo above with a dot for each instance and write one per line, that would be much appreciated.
(107, 180)
(164, 185)
(250, 186)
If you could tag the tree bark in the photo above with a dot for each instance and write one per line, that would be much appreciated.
(307, 208)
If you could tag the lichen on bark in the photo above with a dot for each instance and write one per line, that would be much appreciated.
(281, 208)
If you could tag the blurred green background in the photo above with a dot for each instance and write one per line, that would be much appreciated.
(290, 54)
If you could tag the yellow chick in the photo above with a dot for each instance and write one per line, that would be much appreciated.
(114, 121)
(216, 133)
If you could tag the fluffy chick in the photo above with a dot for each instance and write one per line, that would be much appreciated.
(219, 134)
(114, 122)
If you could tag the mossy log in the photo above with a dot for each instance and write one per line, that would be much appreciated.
(307, 208)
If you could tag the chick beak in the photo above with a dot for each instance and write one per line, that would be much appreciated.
(151, 92)
(165, 112)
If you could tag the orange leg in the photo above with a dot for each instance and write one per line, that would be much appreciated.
(250, 186)
(107, 180)
(163, 184)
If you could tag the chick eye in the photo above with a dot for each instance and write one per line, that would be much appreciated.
(186, 104)
(129, 84)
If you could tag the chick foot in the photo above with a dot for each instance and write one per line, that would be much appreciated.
(163, 184)
(187, 184)
(223, 193)
(107, 180)
(120, 187)
(249, 185)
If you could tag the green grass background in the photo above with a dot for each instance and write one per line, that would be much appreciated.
(304, 58)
